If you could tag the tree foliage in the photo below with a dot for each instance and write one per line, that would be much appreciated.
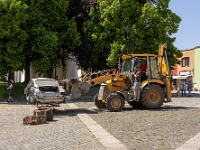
(12, 37)
(36, 33)
(124, 26)
(51, 34)
(83, 53)
(42, 33)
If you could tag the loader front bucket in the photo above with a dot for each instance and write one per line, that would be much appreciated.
(79, 88)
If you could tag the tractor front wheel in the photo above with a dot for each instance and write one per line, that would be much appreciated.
(115, 102)
(98, 103)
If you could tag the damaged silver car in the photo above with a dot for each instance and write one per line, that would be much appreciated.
(44, 91)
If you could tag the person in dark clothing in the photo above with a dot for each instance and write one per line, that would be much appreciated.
(137, 82)
(183, 87)
(10, 90)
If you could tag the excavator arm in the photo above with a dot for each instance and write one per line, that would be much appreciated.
(83, 83)
(164, 70)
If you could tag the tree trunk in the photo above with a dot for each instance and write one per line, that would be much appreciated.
(27, 71)
(50, 73)
(10, 75)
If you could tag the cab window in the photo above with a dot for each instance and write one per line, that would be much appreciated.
(154, 74)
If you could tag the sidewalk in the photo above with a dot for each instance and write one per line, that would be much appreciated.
(192, 144)
(104, 137)
(193, 93)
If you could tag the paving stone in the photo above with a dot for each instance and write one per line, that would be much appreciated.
(66, 131)
(166, 128)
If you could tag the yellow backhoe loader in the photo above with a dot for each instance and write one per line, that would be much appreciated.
(116, 86)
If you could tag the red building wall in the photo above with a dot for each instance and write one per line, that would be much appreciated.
(175, 70)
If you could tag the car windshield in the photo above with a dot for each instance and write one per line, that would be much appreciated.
(46, 82)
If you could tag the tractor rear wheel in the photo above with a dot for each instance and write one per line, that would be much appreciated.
(99, 103)
(115, 102)
(152, 96)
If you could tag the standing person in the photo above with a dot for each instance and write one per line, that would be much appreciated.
(10, 90)
(183, 87)
(189, 86)
(137, 82)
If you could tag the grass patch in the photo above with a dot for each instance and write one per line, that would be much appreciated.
(17, 93)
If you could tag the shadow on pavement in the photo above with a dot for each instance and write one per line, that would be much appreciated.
(15, 102)
(83, 99)
(73, 112)
(173, 108)
(163, 108)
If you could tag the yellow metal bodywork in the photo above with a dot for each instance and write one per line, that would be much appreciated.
(162, 66)
(128, 56)
(117, 84)
(164, 71)
(144, 83)
(114, 82)
(168, 88)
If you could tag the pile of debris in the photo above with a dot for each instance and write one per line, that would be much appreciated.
(40, 116)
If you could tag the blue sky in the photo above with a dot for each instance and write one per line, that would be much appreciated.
(188, 35)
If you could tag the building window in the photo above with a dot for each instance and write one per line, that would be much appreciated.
(185, 62)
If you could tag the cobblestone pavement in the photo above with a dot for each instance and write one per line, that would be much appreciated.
(159, 129)
(166, 128)
(65, 132)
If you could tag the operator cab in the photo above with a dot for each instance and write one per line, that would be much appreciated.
(147, 64)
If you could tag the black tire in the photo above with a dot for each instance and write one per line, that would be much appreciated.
(152, 96)
(115, 102)
(135, 104)
(99, 104)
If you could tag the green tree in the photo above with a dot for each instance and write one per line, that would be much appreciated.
(12, 37)
(80, 10)
(142, 2)
(52, 36)
(3, 71)
(125, 26)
